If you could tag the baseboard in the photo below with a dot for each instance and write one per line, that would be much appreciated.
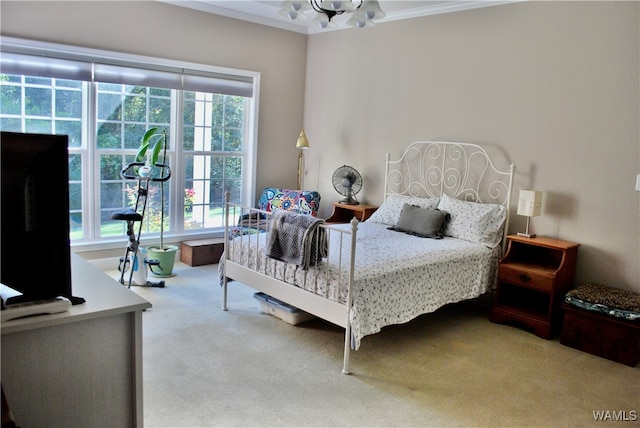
(111, 263)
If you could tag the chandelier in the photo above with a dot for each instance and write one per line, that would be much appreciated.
(363, 11)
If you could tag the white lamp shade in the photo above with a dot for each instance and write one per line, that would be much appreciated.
(292, 14)
(530, 203)
(322, 20)
(638, 183)
(336, 5)
(359, 20)
(297, 6)
(295, 9)
(372, 9)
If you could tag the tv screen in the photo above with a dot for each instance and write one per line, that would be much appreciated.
(35, 254)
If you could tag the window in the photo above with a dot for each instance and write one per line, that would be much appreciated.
(212, 145)
(105, 102)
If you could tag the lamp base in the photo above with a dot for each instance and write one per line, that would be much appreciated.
(527, 235)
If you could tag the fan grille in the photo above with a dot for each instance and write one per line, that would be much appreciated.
(347, 181)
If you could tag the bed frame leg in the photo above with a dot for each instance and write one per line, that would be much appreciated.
(347, 350)
(224, 294)
(227, 199)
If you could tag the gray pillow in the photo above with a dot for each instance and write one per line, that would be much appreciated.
(423, 222)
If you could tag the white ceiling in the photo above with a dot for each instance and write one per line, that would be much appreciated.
(267, 12)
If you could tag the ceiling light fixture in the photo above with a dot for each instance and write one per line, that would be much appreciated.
(364, 11)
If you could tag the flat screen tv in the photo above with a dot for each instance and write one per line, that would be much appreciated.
(35, 255)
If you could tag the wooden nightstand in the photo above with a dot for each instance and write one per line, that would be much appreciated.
(533, 278)
(343, 213)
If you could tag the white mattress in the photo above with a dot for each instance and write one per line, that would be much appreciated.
(397, 276)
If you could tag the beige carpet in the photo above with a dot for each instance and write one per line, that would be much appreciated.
(204, 367)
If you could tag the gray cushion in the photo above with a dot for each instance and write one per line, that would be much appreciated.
(389, 211)
(423, 222)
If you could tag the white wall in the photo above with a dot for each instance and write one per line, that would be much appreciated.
(555, 85)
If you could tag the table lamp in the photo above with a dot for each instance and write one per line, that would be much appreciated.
(529, 205)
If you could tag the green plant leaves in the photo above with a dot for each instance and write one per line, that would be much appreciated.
(153, 140)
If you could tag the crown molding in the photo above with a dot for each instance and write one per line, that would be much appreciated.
(266, 12)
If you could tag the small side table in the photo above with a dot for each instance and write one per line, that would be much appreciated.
(343, 213)
(533, 278)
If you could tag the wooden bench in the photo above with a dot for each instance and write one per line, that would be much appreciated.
(598, 332)
(201, 252)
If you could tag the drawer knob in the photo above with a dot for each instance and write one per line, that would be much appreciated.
(524, 277)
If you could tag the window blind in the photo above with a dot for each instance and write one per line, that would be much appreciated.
(13, 63)
(46, 63)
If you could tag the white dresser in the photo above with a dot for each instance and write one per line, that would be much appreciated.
(80, 368)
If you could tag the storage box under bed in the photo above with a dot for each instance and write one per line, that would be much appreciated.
(279, 309)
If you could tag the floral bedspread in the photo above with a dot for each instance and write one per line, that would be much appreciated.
(397, 276)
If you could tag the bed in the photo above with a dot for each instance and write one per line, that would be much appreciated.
(436, 239)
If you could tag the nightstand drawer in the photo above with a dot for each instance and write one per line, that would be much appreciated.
(526, 278)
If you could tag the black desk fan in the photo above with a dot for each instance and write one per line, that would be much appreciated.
(347, 181)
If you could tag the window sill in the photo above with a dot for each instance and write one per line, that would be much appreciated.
(115, 247)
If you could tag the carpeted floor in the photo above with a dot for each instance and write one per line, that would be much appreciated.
(204, 367)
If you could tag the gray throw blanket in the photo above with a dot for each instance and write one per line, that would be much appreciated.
(296, 238)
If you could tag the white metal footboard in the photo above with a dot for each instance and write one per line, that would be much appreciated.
(326, 291)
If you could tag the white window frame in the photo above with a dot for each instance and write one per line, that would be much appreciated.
(91, 161)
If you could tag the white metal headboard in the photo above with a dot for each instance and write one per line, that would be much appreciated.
(461, 170)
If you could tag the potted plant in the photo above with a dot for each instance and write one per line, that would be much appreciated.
(152, 145)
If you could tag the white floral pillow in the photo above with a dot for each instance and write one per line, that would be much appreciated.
(472, 221)
(389, 211)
